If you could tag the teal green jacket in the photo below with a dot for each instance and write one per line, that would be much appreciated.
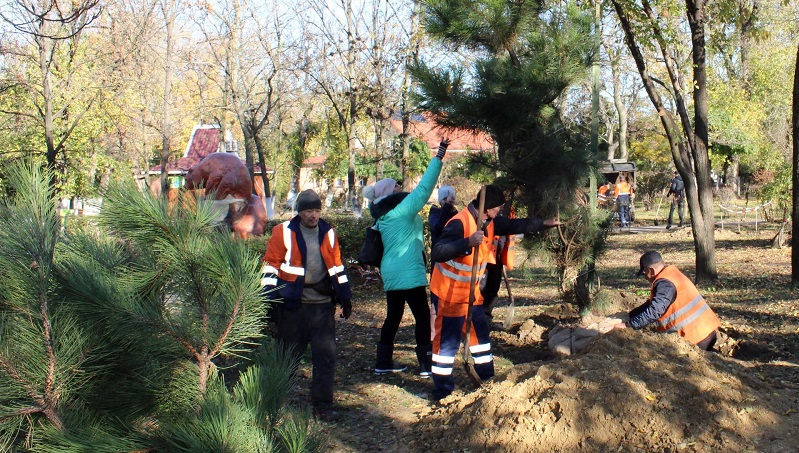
(403, 265)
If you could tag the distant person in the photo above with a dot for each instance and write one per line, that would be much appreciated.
(677, 192)
(604, 195)
(440, 214)
(623, 195)
(403, 268)
(674, 304)
(303, 268)
(451, 282)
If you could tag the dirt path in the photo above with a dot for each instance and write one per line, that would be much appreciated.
(633, 391)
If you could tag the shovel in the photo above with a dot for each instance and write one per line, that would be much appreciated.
(657, 211)
(512, 306)
(469, 366)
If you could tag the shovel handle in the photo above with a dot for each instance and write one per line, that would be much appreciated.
(512, 306)
(473, 281)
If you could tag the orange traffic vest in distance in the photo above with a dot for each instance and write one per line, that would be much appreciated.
(622, 188)
(602, 193)
(451, 280)
(508, 255)
(689, 314)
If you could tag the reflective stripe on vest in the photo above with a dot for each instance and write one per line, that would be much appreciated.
(689, 314)
(451, 280)
(289, 241)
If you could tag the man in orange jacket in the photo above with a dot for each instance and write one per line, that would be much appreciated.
(302, 268)
(451, 283)
(674, 305)
(623, 195)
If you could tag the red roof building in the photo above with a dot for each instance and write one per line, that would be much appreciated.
(204, 140)
(424, 126)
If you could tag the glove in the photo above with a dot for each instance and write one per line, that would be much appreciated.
(346, 309)
(442, 149)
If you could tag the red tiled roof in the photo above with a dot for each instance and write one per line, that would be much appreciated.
(203, 141)
(314, 161)
(432, 133)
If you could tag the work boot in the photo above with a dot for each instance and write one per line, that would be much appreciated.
(424, 354)
(385, 363)
(668, 226)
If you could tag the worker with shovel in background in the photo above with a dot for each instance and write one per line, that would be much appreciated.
(463, 252)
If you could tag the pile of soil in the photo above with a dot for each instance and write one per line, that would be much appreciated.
(643, 391)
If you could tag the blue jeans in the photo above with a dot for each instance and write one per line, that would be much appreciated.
(624, 209)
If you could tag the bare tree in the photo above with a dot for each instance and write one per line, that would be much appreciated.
(687, 133)
(252, 54)
(53, 29)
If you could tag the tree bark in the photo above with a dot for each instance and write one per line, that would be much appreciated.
(166, 129)
(689, 144)
(795, 213)
(704, 226)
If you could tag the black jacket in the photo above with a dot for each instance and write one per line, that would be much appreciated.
(452, 244)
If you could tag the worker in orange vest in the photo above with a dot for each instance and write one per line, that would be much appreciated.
(467, 232)
(604, 196)
(623, 195)
(504, 255)
(674, 304)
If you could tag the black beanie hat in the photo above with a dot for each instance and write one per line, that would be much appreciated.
(494, 197)
(648, 259)
(308, 199)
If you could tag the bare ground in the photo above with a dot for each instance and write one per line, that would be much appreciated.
(632, 391)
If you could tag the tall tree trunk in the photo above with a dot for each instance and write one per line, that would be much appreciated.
(46, 49)
(704, 226)
(621, 111)
(166, 137)
(689, 144)
(267, 190)
(352, 139)
(795, 213)
(412, 55)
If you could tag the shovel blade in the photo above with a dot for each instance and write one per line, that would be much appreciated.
(472, 373)
(509, 317)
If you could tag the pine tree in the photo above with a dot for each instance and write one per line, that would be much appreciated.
(528, 52)
(111, 334)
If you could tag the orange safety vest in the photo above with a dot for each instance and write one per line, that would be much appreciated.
(283, 268)
(451, 280)
(602, 193)
(689, 314)
(508, 254)
(622, 188)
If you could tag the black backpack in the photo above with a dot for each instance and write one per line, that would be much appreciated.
(678, 186)
(371, 253)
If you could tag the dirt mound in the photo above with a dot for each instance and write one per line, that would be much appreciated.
(631, 391)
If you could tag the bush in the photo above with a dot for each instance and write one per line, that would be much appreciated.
(350, 230)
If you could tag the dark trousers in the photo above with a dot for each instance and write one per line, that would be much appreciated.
(314, 323)
(680, 205)
(395, 308)
(489, 287)
(449, 341)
